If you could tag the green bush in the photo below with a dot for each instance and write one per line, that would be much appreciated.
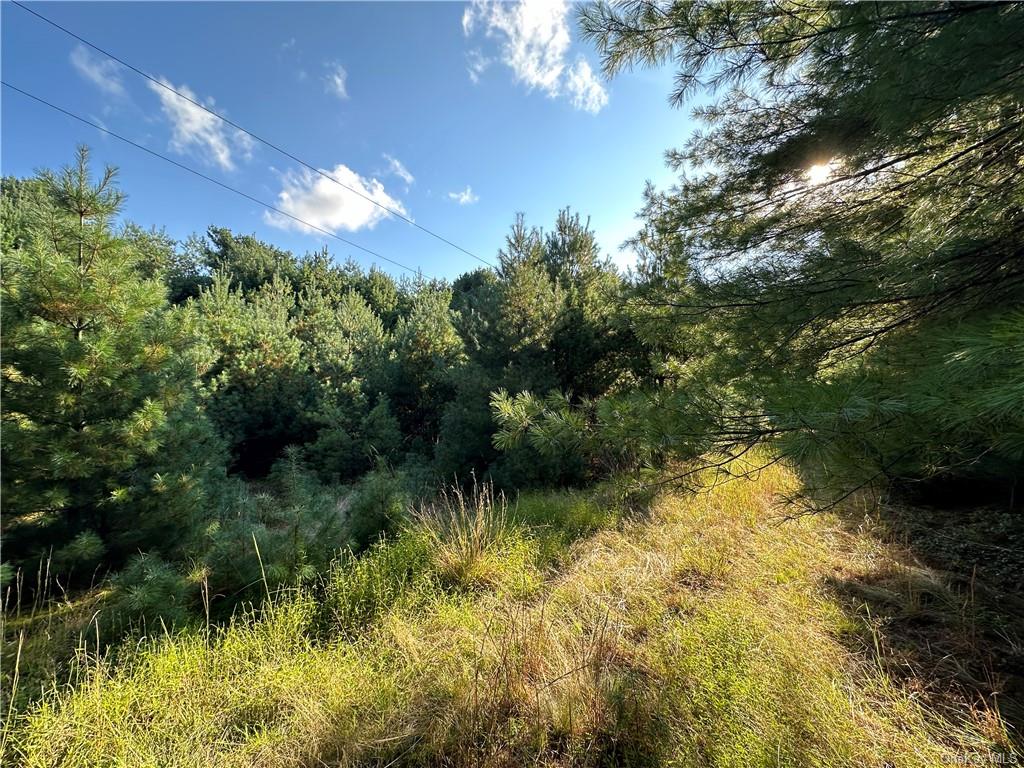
(376, 507)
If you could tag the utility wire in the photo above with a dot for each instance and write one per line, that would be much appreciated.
(249, 133)
(201, 175)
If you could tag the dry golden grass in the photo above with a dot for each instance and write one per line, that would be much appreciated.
(710, 634)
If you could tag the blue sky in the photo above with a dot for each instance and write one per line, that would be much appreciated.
(459, 115)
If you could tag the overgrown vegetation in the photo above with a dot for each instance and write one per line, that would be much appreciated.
(837, 273)
(193, 401)
(702, 632)
(264, 508)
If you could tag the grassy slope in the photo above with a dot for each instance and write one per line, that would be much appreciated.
(706, 633)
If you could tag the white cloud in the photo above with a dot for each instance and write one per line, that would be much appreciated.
(465, 197)
(534, 33)
(534, 42)
(396, 168)
(476, 64)
(584, 89)
(324, 204)
(194, 129)
(336, 80)
(103, 73)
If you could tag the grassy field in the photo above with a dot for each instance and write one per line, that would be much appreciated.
(701, 630)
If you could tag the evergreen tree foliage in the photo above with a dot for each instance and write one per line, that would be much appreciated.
(552, 318)
(98, 415)
(386, 298)
(377, 507)
(245, 261)
(258, 388)
(21, 202)
(841, 255)
(426, 348)
(223, 416)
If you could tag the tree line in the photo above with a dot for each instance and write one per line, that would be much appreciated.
(170, 408)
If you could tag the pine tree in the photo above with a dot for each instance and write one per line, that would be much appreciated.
(427, 349)
(259, 390)
(98, 419)
(853, 206)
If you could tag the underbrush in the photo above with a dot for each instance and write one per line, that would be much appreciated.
(708, 633)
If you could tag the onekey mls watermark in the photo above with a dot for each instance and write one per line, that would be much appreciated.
(985, 757)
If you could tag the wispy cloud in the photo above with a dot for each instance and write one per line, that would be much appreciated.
(324, 204)
(585, 90)
(534, 42)
(195, 130)
(336, 80)
(103, 73)
(476, 64)
(535, 37)
(465, 197)
(290, 55)
(396, 168)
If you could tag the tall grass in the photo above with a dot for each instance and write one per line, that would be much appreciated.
(707, 635)
(465, 533)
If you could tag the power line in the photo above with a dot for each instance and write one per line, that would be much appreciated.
(249, 133)
(207, 178)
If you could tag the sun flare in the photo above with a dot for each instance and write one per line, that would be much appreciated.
(819, 173)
